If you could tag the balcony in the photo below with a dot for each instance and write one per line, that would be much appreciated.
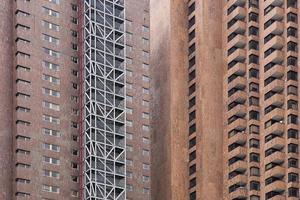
(276, 128)
(276, 28)
(276, 143)
(276, 157)
(238, 41)
(276, 56)
(276, 13)
(236, 2)
(277, 172)
(238, 13)
(273, 2)
(239, 166)
(239, 124)
(238, 69)
(276, 71)
(239, 138)
(278, 197)
(276, 42)
(238, 55)
(239, 152)
(239, 193)
(276, 100)
(276, 86)
(239, 97)
(277, 186)
(276, 114)
(239, 110)
(238, 83)
(237, 179)
(239, 27)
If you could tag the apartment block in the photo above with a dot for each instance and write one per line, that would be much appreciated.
(138, 98)
(66, 100)
(225, 114)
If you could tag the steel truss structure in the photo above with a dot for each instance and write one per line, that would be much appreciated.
(104, 100)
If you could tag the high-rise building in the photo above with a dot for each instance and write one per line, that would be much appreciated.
(138, 99)
(63, 99)
(225, 118)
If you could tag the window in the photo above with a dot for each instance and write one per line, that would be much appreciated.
(74, 193)
(253, 30)
(292, 104)
(51, 92)
(254, 157)
(74, 20)
(50, 12)
(291, 31)
(292, 3)
(146, 190)
(51, 79)
(253, 45)
(52, 106)
(253, 17)
(129, 123)
(146, 152)
(50, 39)
(145, 115)
(254, 185)
(74, 33)
(253, 73)
(253, 59)
(253, 87)
(293, 192)
(146, 78)
(129, 136)
(129, 98)
(51, 119)
(22, 109)
(253, 101)
(146, 166)
(146, 178)
(51, 160)
(254, 143)
(292, 148)
(253, 3)
(145, 29)
(292, 75)
(51, 52)
(129, 148)
(50, 26)
(50, 65)
(54, 1)
(146, 140)
(129, 162)
(292, 162)
(129, 110)
(292, 17)
(74, 7)
(292, 46)
(145, 103)
(49, 188)
(146, 128)
(74, 165)
(51, 147)
(292, 133)
(292, 119)
(52, 174)
(22, 95)
(292, 90)
(21, 180)
(254, 171)
(293, 177)
(253, 115)
(51, 132)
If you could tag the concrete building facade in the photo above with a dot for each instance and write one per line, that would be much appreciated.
(225, 115)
